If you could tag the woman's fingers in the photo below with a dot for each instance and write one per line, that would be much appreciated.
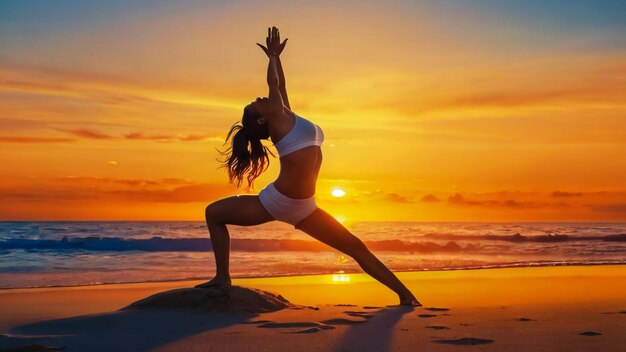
(264, 49)
(272, 42)
(282, 46)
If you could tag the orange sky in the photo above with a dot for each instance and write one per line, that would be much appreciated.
(431, 112)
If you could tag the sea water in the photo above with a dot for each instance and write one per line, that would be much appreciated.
(38, 254)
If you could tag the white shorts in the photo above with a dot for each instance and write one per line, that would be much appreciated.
(286, 209)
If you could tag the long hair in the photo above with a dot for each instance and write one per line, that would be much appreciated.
(246, 157)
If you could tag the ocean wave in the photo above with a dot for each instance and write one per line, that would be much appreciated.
(549, 238)
(159, 244)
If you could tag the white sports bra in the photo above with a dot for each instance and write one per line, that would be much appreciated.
(303, 134)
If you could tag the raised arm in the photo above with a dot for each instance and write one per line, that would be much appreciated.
(274, 97)
(275, 47)
(281, 82)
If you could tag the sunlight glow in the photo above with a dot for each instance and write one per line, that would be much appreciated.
(341, 278)
(342, 260)
(338, 192)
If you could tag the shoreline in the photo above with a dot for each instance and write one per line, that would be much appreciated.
(491, 267)
(581, 308)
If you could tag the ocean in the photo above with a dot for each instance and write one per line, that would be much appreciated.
(40, 254)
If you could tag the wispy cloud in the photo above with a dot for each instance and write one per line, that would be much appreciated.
(7, 139)
(396, 198)
(167, 190)
(172, 138)
(458, 199)
(107, 89)
(610, 208)
(124, 181)
(184, 194)
(90, 134)
(559, 194)
(431, 198)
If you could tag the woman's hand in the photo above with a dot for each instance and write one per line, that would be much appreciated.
(274, 46)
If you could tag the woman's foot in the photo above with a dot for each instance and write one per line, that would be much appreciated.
(409, 300)
(216, 282)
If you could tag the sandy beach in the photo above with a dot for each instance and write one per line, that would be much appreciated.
(569, 308)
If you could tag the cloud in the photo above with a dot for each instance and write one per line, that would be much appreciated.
(612, 208)
(430, 198)
(184, 194)
(113, 90)
(191, 138)
(127, 191)
(141, 136)
(90, 134)
(511, 99)
(171, 138)
(559, 194)
(35, 140)
(458, 199)
(125, 181)
(396, 198)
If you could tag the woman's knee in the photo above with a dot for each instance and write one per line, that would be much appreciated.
(211, 213)
(353, 246)
(358, 249)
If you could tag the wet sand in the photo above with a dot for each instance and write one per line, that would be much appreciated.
(577, 308)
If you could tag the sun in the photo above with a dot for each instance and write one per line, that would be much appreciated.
(338, 192)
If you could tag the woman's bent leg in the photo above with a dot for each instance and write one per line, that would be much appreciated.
(325, 228)
(243, 210)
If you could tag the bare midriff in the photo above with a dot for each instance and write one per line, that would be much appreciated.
(299, 169)
(298, 172)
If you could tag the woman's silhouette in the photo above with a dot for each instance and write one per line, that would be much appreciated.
(290, 198)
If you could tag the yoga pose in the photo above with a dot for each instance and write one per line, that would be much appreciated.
(290, 198)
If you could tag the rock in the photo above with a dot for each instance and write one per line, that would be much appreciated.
(233, 299)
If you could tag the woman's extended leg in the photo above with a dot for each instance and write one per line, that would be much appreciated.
(243, 210)
(325, 228)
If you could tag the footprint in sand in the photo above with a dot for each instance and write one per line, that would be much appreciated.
(305, 331)
(426, 315)
(620, 312)
(524, 319)
(311, 327)
(342, 321)
(590, 333)
(435, 309)
(437, 327)
(365, 315)
(466, 341)
(372, 307)
(345, 305)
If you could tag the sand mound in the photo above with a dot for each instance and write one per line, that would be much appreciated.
(234, 299)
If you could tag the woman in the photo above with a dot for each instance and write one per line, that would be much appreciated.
(290, 198)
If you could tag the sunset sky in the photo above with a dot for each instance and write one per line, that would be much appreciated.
(432, 110)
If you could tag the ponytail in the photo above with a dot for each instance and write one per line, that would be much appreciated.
(246, 158)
